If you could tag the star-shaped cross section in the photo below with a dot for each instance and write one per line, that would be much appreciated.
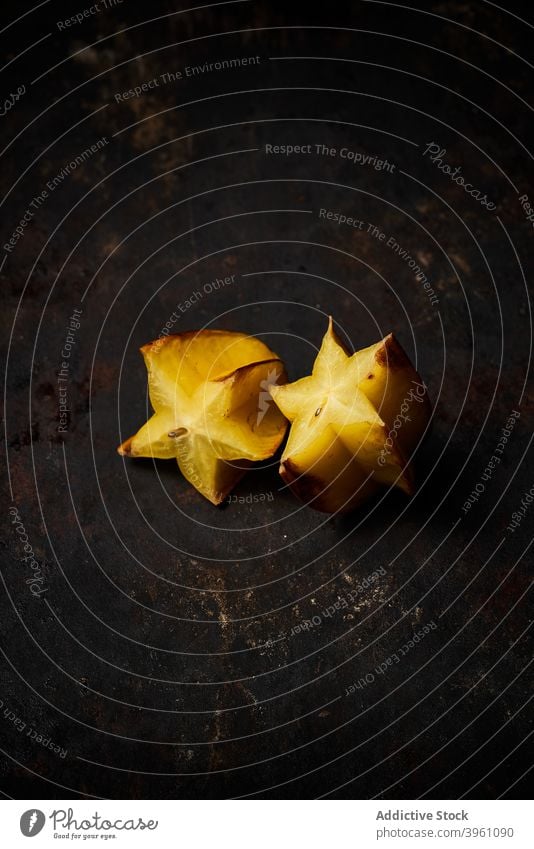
(212, 408)
(355, 421)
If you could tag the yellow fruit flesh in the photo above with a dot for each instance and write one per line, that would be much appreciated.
(343, 441)
(212, 409)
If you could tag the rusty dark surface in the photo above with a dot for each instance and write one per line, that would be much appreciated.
(167, 655)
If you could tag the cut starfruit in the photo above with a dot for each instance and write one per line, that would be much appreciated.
(355, 423)
(212, 409)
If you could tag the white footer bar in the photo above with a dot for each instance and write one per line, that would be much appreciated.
(258, 824)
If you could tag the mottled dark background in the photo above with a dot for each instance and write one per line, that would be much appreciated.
(148, 658)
